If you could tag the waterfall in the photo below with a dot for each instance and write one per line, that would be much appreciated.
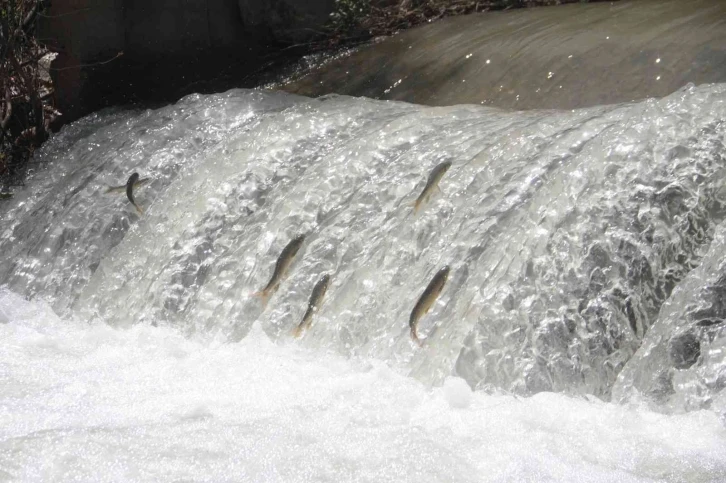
(566, 232)
(586, 266)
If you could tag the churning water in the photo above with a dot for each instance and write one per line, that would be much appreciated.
(587, 274)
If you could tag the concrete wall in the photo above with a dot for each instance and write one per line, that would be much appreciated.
(170, 47)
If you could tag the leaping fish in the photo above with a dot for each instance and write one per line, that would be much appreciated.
(431, 184)
(427, 300)
(120, 189)
(316, 299)
(132, 183)
(281, 267)
(130, 191)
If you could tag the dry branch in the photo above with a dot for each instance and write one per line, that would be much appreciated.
(25, 111)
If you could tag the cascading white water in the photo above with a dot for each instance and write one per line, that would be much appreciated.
(565, 233)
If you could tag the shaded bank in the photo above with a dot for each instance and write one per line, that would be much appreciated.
(566, 57)
(118, 52)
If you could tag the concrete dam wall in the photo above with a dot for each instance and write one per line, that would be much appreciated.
(116, 51)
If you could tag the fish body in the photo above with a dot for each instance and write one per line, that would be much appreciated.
(281, 267)
(122, 188)
(132, 182)
(432, 183)
(316, 299)
(427, 300)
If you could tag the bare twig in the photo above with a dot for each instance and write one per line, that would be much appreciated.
(24, 114)
(30, 17)
(35, 101)
(6, 118)
(88, 65)
(64, 14)
(8, 111)
(33, 59)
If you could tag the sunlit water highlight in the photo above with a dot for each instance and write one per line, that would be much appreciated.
(586, 262)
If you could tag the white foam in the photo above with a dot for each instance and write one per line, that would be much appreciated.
(90, 403)
(457, 392)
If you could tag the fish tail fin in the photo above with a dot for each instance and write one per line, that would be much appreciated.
(114, 189)
(416, 206)
(138, 208)
(414, 337)
(263, 295)
(304, 323)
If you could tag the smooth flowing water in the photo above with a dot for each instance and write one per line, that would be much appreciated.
(586, 254)
(578, 55)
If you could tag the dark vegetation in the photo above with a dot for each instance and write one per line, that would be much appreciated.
(26, 109)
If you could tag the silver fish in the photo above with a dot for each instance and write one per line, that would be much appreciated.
(130, 191)
(281, 267)
(427, 300)
(431, 184)
(120, 189)
(316, 299)
(132, 183)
